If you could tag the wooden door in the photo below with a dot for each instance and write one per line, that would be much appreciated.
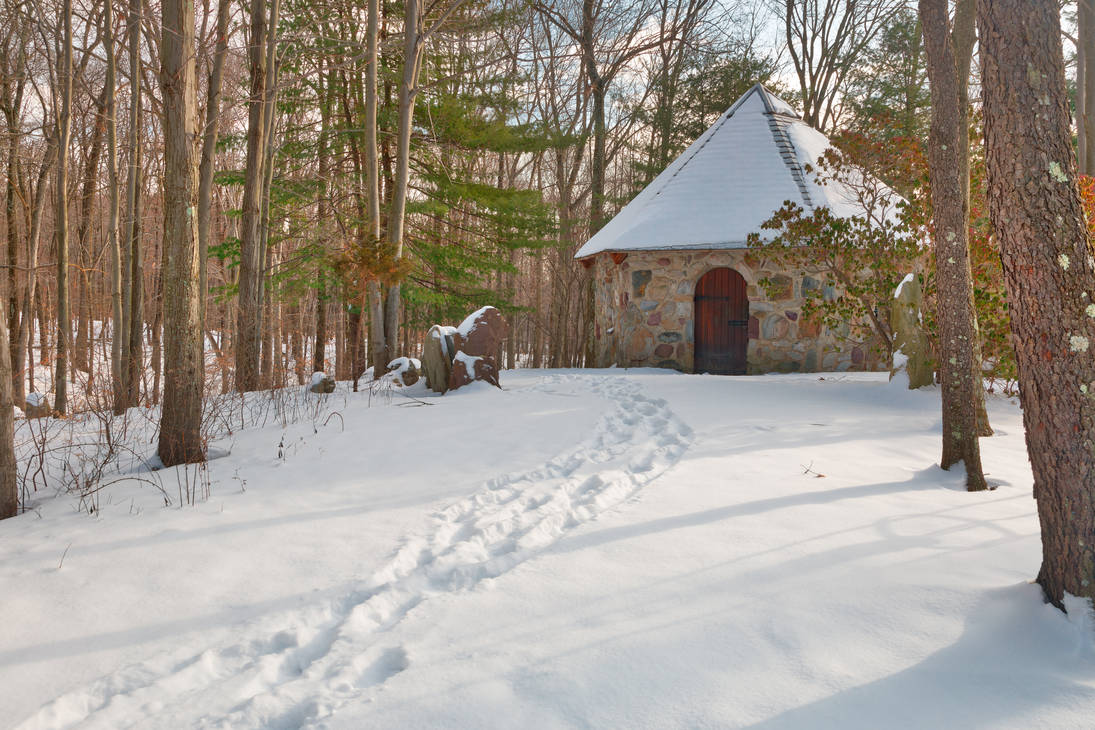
(722, 323)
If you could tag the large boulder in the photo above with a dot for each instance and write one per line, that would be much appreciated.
(437, 356)
(469, 368)
(912, 348)
(481, 333)
(478, 342)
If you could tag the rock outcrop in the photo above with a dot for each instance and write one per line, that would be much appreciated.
(478, 341)
(437, 357)
(456, 356)
(469, 368)
(912, 347)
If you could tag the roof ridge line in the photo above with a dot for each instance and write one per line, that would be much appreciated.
(790, 156)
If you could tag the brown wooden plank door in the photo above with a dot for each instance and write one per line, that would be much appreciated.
(722, 323)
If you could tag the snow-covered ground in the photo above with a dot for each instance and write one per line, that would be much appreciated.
(609, 549)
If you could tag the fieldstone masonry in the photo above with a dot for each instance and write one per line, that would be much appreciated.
(644, 313)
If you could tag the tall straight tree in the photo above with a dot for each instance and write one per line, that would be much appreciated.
(416, 34)
(209, 145)
(1085, 84)
(9, 492)
(113, 243)
(249, 327)
(132, 326)
(947, 55)
(180, 421)
(1036, 213)
(64, 132)
(378, 346)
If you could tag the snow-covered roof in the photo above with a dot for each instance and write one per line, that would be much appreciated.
(727, 183)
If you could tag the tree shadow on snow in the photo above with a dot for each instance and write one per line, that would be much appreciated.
(926, 479)
(1019, 662)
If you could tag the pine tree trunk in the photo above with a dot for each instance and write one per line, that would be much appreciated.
(947, 150)
(180, 421)
(1049, 273)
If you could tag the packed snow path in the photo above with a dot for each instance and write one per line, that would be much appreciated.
(296, 669)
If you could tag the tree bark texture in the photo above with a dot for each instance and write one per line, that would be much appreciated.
(1085, 82)
(113, 242)
(64, 127)
(9, 489)
(378, 345)
(1049, 273)
(948, 166)
(209, 147)
(180, 422)
(248, 331)
(412, 58)
(132, 325)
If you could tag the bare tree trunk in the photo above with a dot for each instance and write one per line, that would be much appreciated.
(113, 242)
(13, 103)
(64, 126)
(45, 347)
(378, 344)
(135, 320)
(948, 164)
(180, 421)
(342, 366)
(265, 293)
(319, 351)
(296, 344)
(1049, 273)
(81, 351)
(538, 314)
(132, 326)
(1085, 77)
(9, 489)
(412, 57)
(355, 345)
(248, 331)
(25, 329)
(209, 148)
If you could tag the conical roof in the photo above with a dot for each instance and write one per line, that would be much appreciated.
(727, 183)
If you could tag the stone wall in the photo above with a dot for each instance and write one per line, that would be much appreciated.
(644, 313)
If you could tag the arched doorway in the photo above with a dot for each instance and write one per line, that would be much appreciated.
(722, 323)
